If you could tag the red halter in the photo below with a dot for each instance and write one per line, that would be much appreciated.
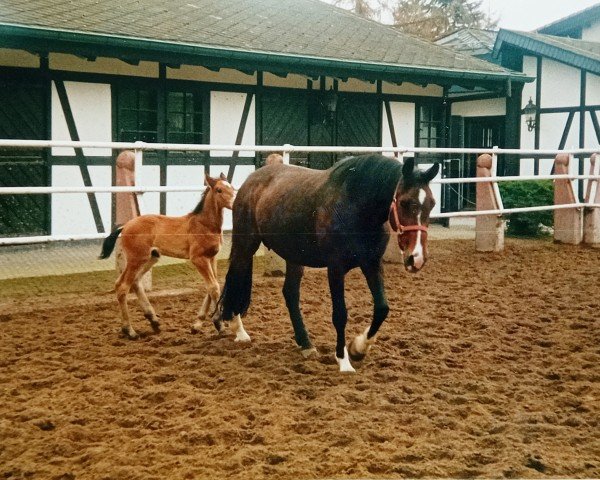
(399, 228)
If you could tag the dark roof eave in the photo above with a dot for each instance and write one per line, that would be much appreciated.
(554, 52)
(47, 40)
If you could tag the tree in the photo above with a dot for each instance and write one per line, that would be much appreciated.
(366, 8)
(431, 19)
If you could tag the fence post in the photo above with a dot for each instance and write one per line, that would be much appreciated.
(591, 215)
(567, 222)
(127, 205)
(489, 229)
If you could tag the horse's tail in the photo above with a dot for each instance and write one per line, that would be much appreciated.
(236, 295)
(109, 243)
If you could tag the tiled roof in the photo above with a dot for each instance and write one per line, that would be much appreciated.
(293, 29)
(576, 20)
(577, 53)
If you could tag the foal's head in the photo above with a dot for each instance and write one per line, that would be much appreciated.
(222, 190)
(409, 214)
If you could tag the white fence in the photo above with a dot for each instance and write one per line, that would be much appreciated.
(399, 152)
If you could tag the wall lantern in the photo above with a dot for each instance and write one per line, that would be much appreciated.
(329, 102)
(530, 111)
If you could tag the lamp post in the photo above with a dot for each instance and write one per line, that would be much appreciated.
(530, 111)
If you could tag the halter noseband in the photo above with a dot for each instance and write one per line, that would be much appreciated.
(399, 228)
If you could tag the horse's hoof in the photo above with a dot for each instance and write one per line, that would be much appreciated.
(308, 352)
(155, 327)
(218, 324)
(195, 328)
(242, 337)
(129, 333)
(356, 356)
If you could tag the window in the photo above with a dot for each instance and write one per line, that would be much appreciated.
(138, 119)
(184, 117)
(430, 126)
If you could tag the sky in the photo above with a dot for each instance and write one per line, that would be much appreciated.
(532, 14)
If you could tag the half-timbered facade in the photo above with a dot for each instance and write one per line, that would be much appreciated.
(255, 72)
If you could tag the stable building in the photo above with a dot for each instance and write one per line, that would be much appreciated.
(252, 72)
(559, 109)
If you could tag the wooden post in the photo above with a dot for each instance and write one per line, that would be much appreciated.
(489, 229)
(568, 226)
(127, 206)
(591, 215)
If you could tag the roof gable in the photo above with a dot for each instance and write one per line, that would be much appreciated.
(573, 23)
(289, 31)
(576, 53)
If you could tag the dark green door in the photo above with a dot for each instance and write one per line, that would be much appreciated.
(285, 120)
(23, 116)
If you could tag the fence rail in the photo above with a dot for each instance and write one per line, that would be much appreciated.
(400, 151)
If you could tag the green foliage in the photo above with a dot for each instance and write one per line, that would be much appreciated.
(528, 194)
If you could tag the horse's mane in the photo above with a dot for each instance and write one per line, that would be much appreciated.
(198, 208)
(372, 178)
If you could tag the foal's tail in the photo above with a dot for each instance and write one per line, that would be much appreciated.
(109, 243)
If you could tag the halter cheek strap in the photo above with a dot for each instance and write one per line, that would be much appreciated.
(398, 227)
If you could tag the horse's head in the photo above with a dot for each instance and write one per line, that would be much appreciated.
(222, 189)
(409, 213)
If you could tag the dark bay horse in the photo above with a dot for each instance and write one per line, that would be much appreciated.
(335, 219)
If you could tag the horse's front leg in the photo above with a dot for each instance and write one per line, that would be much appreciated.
(359, 347)
(339, 317)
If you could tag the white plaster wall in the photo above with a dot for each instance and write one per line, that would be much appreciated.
(480, 108)
(180, 203)
(436, 188)
(592, 33)
(529, 69)
(71, 212)
(149, 176)
(226, 110)
(225, 116)
(403, 116)
(560, 85)
(91, 107)
(592, 89)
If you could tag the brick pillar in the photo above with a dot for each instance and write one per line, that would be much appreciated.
(489, 229)
(568, 225)
(591, 216)
(127, 206)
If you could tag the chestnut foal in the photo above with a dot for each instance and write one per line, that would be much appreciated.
(196, 236)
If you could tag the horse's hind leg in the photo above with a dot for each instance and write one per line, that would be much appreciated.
(138, 287)
(235, 299)
(122, 287)
(291, 293)
(206, 303)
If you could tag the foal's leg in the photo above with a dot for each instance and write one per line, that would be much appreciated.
(138, 288)
(122, 287)
(339, 317)
(204, 267)
(291, 293)
(359, 347)
(206, 303)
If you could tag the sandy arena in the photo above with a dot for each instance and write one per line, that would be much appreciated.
(488, 366)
